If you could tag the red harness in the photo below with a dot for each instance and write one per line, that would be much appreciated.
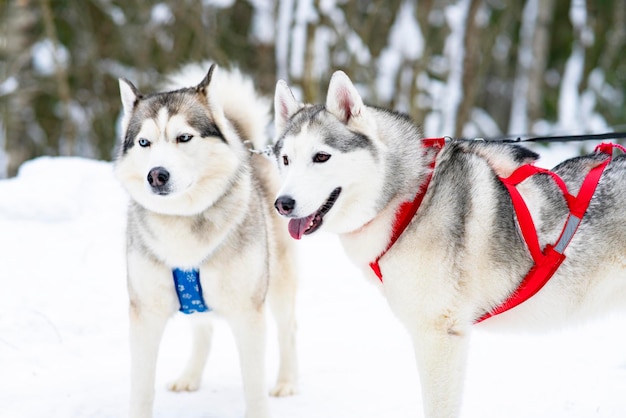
(547, 261)
(407, 210)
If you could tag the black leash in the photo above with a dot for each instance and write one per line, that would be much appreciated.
(562, 138)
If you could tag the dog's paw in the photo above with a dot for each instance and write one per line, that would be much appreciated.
(284, 389)
(184, 384)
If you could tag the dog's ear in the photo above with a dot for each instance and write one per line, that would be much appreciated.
(129, 95)
(212, 88)
(285, 106)
(202, 87)
(343, 100)
(209, 89)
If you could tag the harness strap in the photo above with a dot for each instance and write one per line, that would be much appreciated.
(525, 220)
(189, 291)
(521, 210)
(407, 210)
(549, 260)
(546, 261)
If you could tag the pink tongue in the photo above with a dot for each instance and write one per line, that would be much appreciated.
(298, 226)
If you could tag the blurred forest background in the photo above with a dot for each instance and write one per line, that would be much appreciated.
(459, 68)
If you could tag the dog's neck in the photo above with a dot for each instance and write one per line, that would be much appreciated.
(207, 230)
(370, 242)
(366, 243)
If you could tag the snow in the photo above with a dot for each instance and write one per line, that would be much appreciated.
(304, 13)
(578, 13)
(406, 42)
(4, 159)
(481, 125)
(115, 13)
(263, 21)
(63, 328)
(569, 106)
(324, 38)
(47, 57)
(283, 25)
(220, 4)
(9, 86)
(456, 16)
(161, 14)
(577, 111)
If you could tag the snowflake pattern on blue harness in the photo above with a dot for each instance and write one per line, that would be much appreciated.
(189, 291)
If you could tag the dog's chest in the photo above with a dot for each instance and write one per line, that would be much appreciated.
(183, 242)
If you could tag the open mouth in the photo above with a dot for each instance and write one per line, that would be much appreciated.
(311, 223)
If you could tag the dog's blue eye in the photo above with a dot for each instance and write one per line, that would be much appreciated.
(184, 138)
(321, 157)
(285, 160)
(143, 142)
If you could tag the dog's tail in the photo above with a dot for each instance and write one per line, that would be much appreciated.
(244, 107)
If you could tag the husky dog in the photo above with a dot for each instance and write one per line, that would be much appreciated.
(201, 201)
(348, 168)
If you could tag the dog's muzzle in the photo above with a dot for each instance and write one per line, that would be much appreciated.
(309, 224)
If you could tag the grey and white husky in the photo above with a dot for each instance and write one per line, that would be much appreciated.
(201, 202)
(349, 168)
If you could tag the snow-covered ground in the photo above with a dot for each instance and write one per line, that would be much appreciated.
(63, 328)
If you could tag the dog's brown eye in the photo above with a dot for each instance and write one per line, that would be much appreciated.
(321, 157)
(285, 160)
(184, 138)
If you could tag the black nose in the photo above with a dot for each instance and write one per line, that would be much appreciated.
(284, 205)
(158, 177)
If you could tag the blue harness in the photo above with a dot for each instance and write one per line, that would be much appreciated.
(189, 291)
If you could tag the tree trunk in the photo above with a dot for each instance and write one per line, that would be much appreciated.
(540, 50)
(470, 68)
(67, 142)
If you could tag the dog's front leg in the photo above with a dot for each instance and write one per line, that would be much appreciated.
(441, 354)
(249, 331)
(282, 298)
(146, 330)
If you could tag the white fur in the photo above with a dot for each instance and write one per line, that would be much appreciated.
(434, 291)
(230, 88)
(198, 182)
(216, 217)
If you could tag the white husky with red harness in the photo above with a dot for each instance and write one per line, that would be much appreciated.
(453, 232)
